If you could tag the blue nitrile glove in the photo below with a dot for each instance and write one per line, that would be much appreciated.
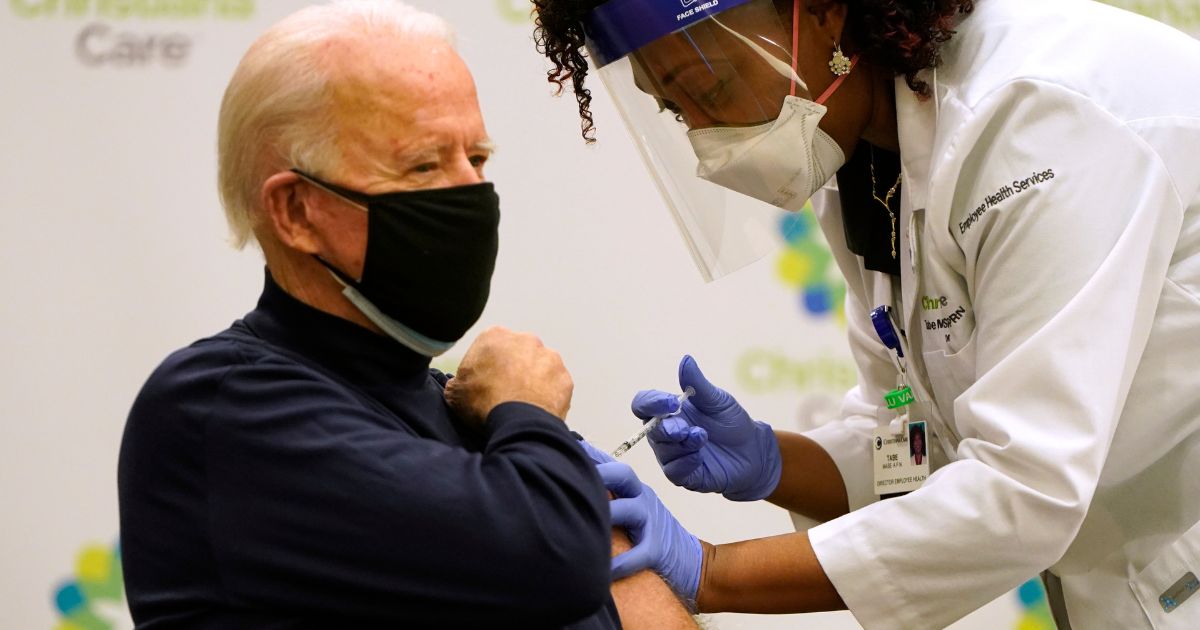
(659, 542)
(712, 445)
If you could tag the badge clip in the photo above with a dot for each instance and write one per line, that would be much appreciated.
(883, 318)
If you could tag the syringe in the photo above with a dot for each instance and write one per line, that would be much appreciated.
(650, 424)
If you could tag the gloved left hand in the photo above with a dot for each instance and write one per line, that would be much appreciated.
(712, 445)
(659, 542)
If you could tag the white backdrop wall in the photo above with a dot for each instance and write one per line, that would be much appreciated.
(113, 253)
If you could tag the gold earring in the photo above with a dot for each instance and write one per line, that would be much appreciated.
(840, 64)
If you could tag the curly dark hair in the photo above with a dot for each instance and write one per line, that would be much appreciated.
(904, 36)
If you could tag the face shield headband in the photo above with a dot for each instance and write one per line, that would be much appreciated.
(619, 27)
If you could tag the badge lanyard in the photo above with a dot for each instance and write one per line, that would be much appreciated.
(901, 449)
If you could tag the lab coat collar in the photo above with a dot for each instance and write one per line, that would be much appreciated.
(916, 123)
(916, 126)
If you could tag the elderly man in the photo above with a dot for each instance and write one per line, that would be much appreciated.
(303, 469)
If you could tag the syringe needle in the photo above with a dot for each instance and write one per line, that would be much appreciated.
(650, 424)
(637, 437)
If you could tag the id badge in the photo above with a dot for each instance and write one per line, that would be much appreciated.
(901, 455)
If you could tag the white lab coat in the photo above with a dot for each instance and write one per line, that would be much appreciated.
(1064, 365)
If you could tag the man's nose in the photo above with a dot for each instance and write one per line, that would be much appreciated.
(462, 172)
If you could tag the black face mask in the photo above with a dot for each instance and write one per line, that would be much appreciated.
(430, 257)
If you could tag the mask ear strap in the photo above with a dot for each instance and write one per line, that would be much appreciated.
(795, 41)
(354, 198)
(836, 82)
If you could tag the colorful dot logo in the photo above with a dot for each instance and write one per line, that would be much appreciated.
(515, 11)
(807, 266)
(1036, 615)
(95, 598)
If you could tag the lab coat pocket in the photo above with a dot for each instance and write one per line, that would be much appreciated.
(1169, 587)
(949, 376)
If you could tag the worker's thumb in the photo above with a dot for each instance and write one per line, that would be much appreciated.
(709, 398)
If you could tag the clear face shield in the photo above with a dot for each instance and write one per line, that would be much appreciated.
(725, 123)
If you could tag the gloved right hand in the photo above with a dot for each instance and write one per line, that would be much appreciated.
(712, 445)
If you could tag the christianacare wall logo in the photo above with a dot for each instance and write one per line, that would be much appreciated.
(1035, 609)
(94, 599)
(807, 266)
(129, 34)
(1182, 14)
(515, 11)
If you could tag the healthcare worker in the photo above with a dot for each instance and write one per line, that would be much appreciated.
(1017, 184)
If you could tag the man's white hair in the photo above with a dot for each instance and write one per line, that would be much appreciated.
(276, 107)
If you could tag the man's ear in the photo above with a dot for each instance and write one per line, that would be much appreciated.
(285, 200)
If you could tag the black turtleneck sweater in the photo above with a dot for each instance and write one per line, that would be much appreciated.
(300, 471)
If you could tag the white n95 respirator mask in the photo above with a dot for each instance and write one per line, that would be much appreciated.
(782, 163)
